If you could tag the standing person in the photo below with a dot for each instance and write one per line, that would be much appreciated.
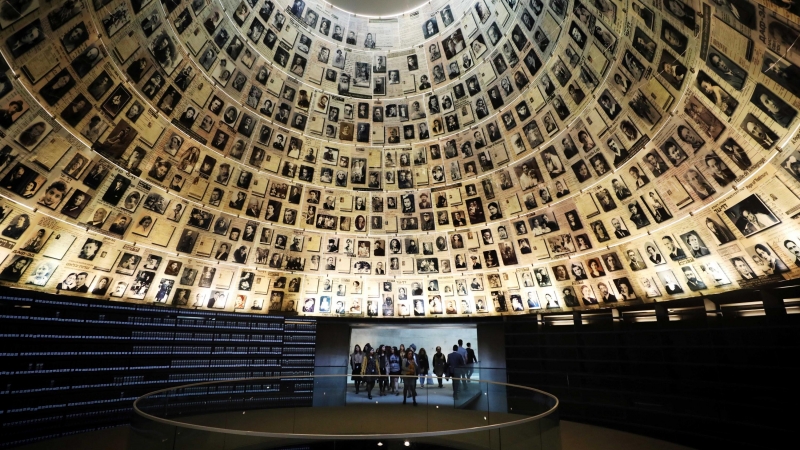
(471, 359)
(439, 363)
(371, 368)
(423, 366)
(355, 364)
(402, 360)
(413, 349)
(394, 368)
(409, 370)
(455, 362)
(381, 366)
(383, 369)
(463, 352)
(387, 353)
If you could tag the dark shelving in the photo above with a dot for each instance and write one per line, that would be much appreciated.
(77, 365)
(706, 383)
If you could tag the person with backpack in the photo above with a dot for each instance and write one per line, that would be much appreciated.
(394, 368)
(370, 367)
(439, 363)
(409, 370)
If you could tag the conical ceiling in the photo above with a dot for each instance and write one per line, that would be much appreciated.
(461, 158)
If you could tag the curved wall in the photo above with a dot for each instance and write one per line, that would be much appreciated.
(465, 158)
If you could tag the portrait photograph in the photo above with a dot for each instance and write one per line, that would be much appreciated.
(87, 60)
(165, 52)
(781, 72)
(703, 117)
(729, 71)
(76, 204)
(766, 259)
(751, 216)
(670, 35)
(773, 106)
(717, 94)
(26, 38)
(13, 108)
(714, 273)
(34, 134)
(759, 132)
(672, 70)
(117, 101)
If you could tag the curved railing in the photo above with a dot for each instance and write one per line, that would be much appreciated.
(324, 411)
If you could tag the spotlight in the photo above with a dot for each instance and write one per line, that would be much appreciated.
(380, 444)
(407, 444)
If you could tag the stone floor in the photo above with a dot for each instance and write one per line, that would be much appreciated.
(441, 410)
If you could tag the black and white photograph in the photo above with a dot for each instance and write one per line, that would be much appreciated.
(782, 72)
(773, 106)
(703, 117)
(672, 70)
(726, 69)
(34, 133)
(751, 216)
(716, 94)
(759, 132)
(676, 40)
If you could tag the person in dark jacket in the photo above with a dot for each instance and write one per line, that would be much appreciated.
(409, 371)
(471, 359)
(455, 364)
(423, 366)
(383, 359)
(370, 369)
(395, 361)
(439, 364)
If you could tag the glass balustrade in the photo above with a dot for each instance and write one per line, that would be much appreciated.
(325, 412)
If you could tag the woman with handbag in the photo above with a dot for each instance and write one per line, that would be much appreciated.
(370, 367)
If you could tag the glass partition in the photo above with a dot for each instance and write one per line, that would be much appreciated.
(324, 411)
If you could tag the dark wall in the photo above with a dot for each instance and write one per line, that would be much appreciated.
(491, 337)
(332, 344)
(705, 383)
(492, 354)
(332, 358)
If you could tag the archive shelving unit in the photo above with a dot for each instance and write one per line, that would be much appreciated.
(72, 365)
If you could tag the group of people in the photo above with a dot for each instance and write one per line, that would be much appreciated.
(387, 365)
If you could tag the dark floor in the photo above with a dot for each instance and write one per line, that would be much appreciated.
(574, 436)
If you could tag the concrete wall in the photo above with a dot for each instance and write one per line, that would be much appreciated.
(427, 337)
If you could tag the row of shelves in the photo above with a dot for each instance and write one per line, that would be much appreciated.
(140, 322)
(156, 336)
(77, 365)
